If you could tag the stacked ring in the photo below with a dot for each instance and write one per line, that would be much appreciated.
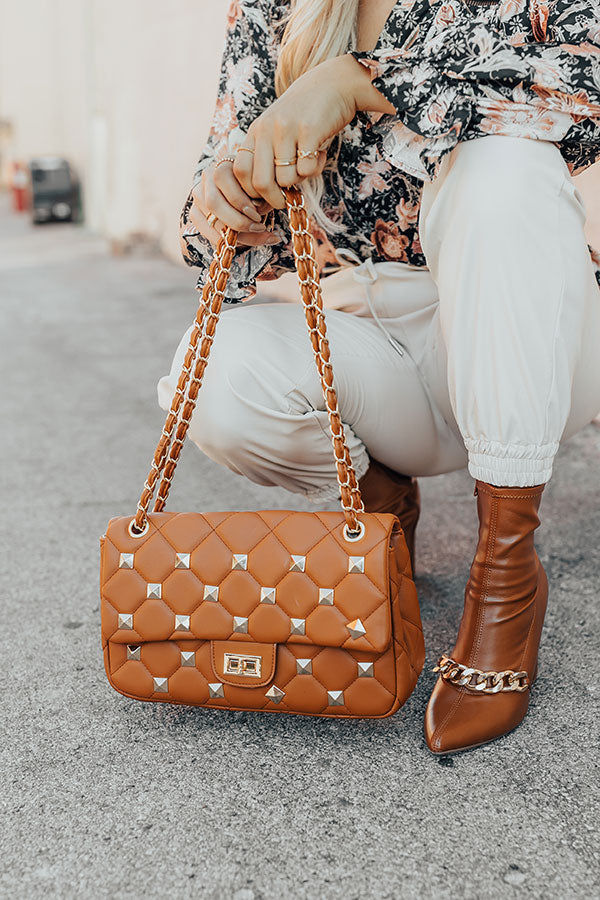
(211, 219)
(224, 160)
(247, 149)
(302, 154)
(308, 154)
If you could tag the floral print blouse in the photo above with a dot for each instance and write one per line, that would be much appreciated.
(454, 71)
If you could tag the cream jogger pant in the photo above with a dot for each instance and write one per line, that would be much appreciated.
(490, 358)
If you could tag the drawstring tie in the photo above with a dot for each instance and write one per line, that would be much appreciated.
(364, 272)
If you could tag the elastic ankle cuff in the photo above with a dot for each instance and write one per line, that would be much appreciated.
(501, 465)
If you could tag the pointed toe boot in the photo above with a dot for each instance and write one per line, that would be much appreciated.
(483, 687)
(386, 491)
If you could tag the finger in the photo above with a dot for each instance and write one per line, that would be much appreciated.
(234, 193)
(286, 173)
(197, 212)
(197, 222)
(198, 216)
(213, 228)
(262, 206)
(263, 173)
(217, 203)
(258, 240)
(309, 166)
(199, 227)
(243, 167)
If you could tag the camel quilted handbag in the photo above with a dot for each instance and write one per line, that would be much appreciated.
(283, 611)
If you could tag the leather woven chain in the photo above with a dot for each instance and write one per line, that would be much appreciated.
(196, 358)
(481, 682)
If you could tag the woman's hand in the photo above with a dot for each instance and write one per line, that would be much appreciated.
(316, 107)
(219, 200)
(287, 138)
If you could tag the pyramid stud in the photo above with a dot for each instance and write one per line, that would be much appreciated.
(335, 698)
(182, 561)
(240, 625)
(275, 694)
(365, 669)
(356, 564)
(298, 564)
(211, 593)
(154, 591)
(161, 685)
(356, 628)
(133, 652)
(182, 623)
(267, 595)
(126, 561)
(188, 658)
(325, 596)
(298, 626)
(240, 561)
(304, 666)
(125, 621)
(216, 690)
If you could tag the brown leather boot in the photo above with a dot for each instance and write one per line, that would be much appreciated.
(386, 491)
(484, 684)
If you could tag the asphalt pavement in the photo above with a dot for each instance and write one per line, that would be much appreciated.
(105, 797)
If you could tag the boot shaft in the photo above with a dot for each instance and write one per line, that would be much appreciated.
(500, 596)
(508, 518)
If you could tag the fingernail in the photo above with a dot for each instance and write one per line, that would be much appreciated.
(257, 226)
(273, 239)
(252, 212)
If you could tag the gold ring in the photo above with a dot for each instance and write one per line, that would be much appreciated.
(285, 162)
(211, 219)
(247, 149)
(224, 160)
(308, 154)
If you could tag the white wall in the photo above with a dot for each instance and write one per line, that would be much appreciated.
(41, 84)
(125, 89)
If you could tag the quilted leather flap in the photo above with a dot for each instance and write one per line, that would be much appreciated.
(272, 576)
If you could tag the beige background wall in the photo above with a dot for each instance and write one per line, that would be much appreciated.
(125, 89)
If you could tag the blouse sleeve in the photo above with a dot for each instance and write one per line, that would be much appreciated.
(456, 71)
(246, 89)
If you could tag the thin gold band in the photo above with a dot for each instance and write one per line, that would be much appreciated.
(224, 160)
(302, 154)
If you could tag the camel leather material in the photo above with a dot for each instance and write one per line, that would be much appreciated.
(505, 605)
(383, 490)
(328, 641)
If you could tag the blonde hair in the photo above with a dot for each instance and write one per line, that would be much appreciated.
(315, 30)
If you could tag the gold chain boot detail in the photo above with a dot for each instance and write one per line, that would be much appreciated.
(484, 684)
(386, 491)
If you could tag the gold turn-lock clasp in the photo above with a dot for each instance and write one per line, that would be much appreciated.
(242, 664)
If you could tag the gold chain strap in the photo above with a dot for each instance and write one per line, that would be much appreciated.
(172, 439)
(478, 681)
(192, 372)
(310, 290)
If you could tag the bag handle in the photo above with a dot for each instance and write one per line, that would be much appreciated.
(194, 365)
